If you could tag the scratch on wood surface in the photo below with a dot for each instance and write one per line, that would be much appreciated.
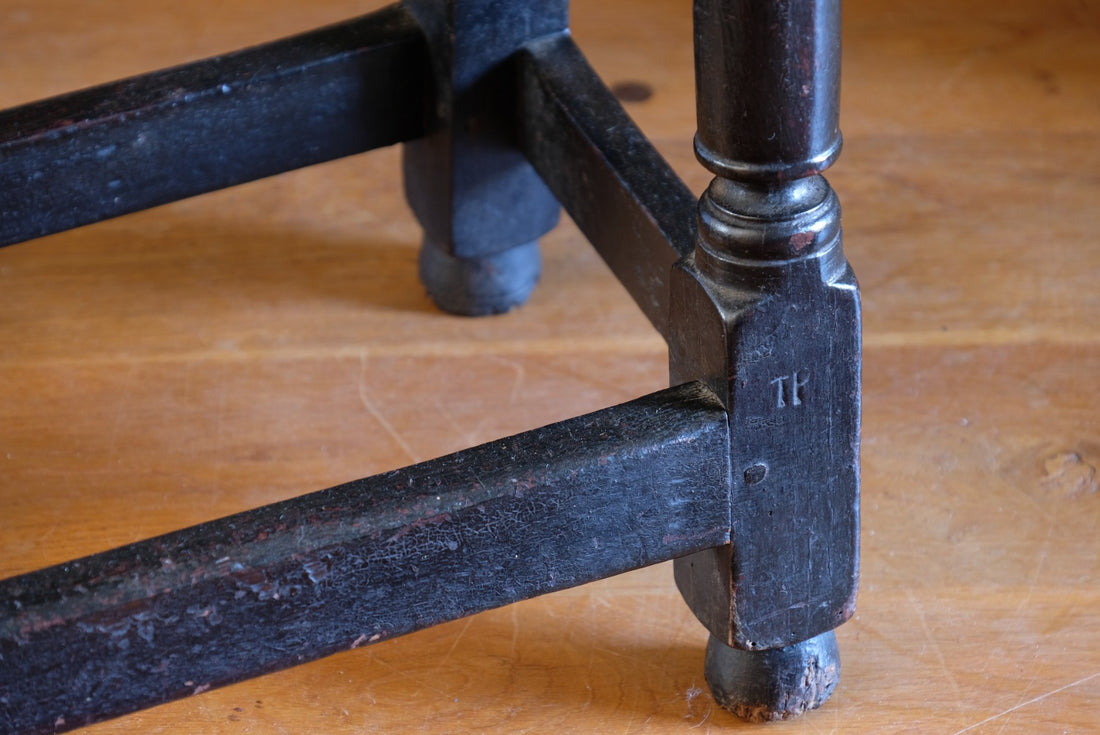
(706, 718)
(813, 722)
(641, 345)
(364, 397)
(919, 609)
(961, 67)
(467, 437)
(400, 672)
(515, 631)
(1040, 560)
(519, 375)
(447, 656)
(121, 416)
(588, 670)
(457, 640)
(693, 694)
(1031, 701)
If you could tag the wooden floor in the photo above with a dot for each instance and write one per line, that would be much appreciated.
(228, 351)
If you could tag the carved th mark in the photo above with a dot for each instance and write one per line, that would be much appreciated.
(790, 390)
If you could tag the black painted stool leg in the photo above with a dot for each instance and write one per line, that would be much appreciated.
(766, 311)
(481, 204)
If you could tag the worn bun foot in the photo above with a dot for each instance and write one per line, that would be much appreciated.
(490, 284)
(776, 684)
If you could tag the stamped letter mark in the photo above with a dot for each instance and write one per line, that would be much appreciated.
(790, 389)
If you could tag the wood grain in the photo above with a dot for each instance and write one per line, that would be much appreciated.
(247, 346)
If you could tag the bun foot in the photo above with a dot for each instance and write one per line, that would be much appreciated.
(492, 284)
(776, 684)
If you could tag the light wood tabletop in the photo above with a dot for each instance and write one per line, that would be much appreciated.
(247, 346)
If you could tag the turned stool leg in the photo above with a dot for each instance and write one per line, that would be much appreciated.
(766, 311)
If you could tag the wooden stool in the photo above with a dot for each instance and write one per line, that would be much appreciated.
(745, 472)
